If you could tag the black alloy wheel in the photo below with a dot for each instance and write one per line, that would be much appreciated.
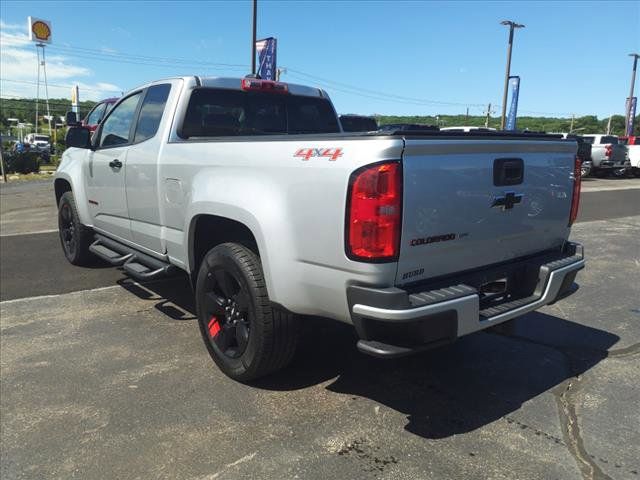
(246, 335)
(74, 236)
(67, 227)
(227, 305)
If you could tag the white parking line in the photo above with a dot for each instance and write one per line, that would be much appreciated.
(37, 232)
(56, 295)
(98, 289)
(630, 184)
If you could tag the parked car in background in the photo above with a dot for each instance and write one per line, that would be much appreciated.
(633, 150)
(358, 123)
(399, 127)
(38, 142)
(97, 113)
(583, 153)
(607, 154)
(467, 129)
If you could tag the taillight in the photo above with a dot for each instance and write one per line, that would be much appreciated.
(608, 150)
(575, 197)
(374, 213)
(264, 85)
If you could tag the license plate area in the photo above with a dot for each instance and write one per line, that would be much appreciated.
(496, 284)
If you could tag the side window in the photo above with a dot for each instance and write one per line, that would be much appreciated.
(96, 114)
(151, 112)
(116, 127)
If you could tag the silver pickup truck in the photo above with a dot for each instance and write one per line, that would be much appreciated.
(607, 154)
(250, 187)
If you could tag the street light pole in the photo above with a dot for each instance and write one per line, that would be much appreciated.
(633, 81)
(512, 27)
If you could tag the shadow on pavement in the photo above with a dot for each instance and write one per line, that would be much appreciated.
(447, 391)
(174, 295)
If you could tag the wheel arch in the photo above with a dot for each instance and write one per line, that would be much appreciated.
(207, 230)
(60, 187)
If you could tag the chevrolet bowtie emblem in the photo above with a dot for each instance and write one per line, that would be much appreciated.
(508, 201)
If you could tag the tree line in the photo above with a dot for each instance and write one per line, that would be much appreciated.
(24, 109)
(581, 125)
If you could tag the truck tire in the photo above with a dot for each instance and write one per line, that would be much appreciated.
(245, 335)
(74, 236)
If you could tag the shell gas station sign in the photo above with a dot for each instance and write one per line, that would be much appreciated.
(39, 30)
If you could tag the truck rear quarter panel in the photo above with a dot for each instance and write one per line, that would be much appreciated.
(295, 208)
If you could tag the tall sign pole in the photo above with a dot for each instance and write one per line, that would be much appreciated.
(629, 116)
(512, 26)
(253, 38)
(75, 101)
(40, 33)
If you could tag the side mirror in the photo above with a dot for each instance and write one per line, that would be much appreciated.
(71, 118)
(78, 137)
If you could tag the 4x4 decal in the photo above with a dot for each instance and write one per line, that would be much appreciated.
(331, 153)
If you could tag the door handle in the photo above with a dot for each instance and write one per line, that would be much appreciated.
(115, 163)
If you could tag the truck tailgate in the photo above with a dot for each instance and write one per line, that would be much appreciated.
(465, 206)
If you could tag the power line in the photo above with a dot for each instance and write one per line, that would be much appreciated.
(331, 85)
(27, 82)
(384, 94)
(94, 54)
(160, 62)
(146, 57)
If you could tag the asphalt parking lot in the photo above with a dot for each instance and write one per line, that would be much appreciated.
(102, 377)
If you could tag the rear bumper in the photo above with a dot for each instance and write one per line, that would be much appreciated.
(393, 322)
(613, 164)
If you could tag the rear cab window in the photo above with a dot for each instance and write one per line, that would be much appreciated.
(609, 139)
(151, 112)
(217, 112)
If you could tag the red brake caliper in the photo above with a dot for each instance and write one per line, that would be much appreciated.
(214, 327)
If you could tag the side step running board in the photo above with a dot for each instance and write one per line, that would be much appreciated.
(108, 255)
(140, 271)
(137, 264)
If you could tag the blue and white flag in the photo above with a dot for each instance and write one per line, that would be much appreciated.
(267, 55)
(513, 108)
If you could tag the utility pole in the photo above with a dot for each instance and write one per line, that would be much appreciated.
(253, 40)
(280, 71)
(627, 117)
(512, 26)
(486, 121)
(609, 125)
(466, 117)
(573, 117)
(4, 174)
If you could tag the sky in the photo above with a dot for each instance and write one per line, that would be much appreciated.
(385, 57)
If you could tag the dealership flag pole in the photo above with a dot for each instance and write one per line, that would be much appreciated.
(628, 119)
(512, 27)
(253, 40)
